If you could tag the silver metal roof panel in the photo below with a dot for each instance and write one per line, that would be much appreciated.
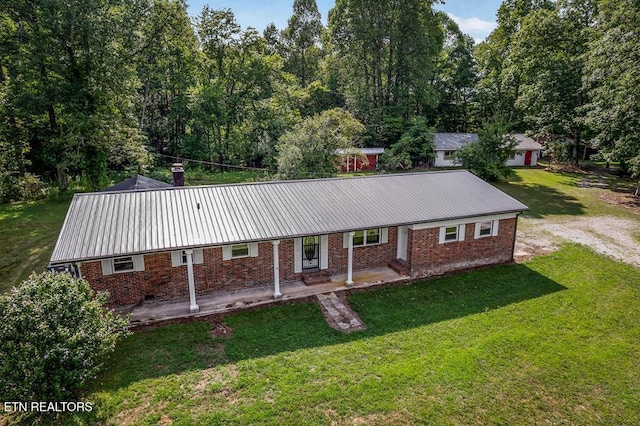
(108, 224)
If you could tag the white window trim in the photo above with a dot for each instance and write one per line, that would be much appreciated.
(461, 229)
(108, 267)
(384, 238)
(227, 251)
(451, 222)
(495, 225)
(177, 259)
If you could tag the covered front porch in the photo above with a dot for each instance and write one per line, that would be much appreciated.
(151, 312)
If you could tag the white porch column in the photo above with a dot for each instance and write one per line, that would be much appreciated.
(276, 269)
(349, 281)
(193, 307)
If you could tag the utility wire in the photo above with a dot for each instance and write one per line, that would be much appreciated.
(212, 163)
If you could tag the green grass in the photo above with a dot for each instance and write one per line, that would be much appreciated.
(543, 342)
(29, 233)
(560, 194)
(205, 177)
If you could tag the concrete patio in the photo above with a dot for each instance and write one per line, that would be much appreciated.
(151, 312)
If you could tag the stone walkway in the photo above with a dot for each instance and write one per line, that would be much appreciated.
(339, 314)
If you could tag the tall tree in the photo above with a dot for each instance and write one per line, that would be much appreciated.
(387, 51)
(75, 84)
(499, 86)
(168, 63)
(301, 41)
(455, 79)
(237, 83)
(613, 82)
(548, 54)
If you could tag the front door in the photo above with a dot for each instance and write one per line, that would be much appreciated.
(527, 158)
(311, 252)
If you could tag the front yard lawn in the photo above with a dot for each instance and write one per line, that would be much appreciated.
(555, 340)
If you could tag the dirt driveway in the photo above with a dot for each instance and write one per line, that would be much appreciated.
(614, 237)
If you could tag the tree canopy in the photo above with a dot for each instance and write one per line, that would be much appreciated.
(87, 88)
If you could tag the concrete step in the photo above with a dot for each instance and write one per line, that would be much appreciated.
(319, 277)
(339, 314)
(398, 265)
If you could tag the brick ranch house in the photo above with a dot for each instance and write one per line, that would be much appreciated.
(186, 242)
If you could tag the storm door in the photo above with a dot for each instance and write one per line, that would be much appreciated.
(311, 252)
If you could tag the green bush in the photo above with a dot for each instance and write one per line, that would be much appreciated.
(21, 188)
(55, 334)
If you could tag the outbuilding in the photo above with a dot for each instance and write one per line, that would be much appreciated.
(187, 242)
(526, 153)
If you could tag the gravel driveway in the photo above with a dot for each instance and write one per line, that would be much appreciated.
(614, 237)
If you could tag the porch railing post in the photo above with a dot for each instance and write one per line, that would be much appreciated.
(349, 281)
(276, 269)
(193, 306)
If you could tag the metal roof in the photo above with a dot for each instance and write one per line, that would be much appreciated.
(365, 151)
(452, 141)
(107, 224)
(137, 182)
(455, 141)
(526, 143)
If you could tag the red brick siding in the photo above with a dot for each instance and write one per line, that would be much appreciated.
(366, 257)
(426, 256)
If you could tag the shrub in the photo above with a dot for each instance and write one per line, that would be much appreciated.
(55, 334)
(21, 188)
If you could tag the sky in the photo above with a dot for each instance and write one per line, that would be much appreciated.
(474, 17)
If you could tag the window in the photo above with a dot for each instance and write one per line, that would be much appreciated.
(179, 257)
(367, 237)
(448, 155)
(485, 229)
(373, 236)
(123, 264)
(451, 233)
(512, 155)
(239, 250)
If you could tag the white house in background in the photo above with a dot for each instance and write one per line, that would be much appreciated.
(526, 152)
(446, 144)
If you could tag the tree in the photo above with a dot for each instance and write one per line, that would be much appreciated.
(238, 83)
(455, 79)
(613, 82)
(499, 85)
(168, 63)
(414, 148)
(386, 53)
(301, 41)
(548, 53)
(55, 334)
(73, 85)
(487, 158)
(309, 149)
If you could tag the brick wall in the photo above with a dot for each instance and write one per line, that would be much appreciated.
(427, 257)
(365, 257)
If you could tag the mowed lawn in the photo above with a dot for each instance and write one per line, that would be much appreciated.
(555, 340)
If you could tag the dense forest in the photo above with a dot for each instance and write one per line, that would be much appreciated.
(93, 86)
